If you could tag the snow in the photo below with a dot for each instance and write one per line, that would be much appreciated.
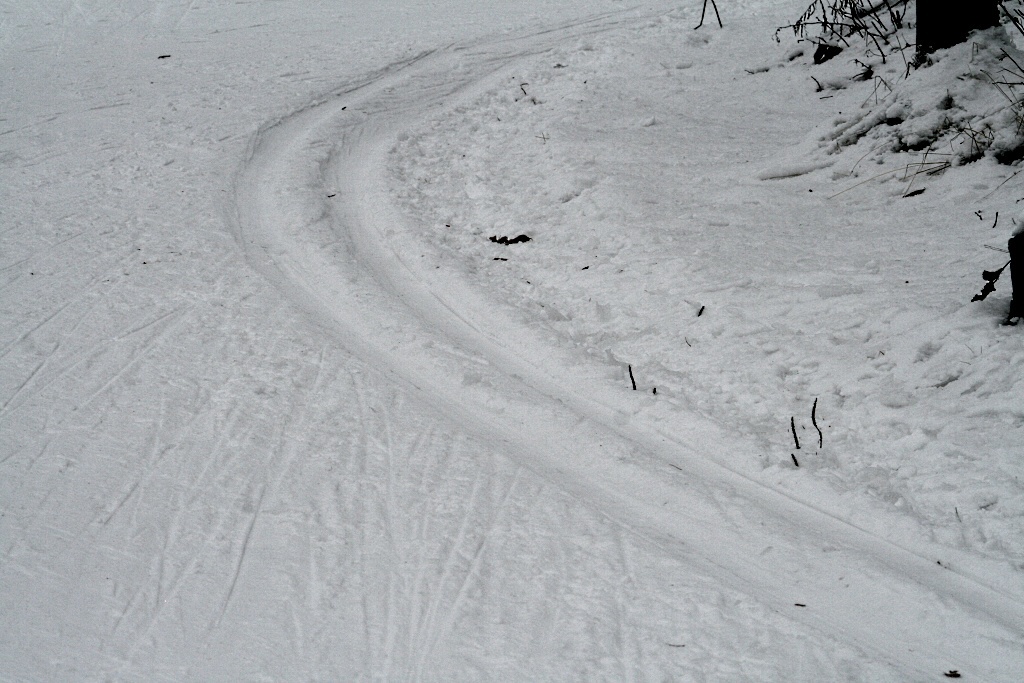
(275, 406)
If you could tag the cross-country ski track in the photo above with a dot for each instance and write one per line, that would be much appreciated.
(274, 407)
(314, 216)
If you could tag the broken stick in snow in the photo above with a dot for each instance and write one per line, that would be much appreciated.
(814, 421)
(704, 10)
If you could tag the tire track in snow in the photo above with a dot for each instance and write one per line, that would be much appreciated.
(313, 217)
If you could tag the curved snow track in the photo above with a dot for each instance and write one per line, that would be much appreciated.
(314, 216)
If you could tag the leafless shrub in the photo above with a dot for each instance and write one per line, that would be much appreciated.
(836, 22)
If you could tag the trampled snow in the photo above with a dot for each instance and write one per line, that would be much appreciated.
(273, 404)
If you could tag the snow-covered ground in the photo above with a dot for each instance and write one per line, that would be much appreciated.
(274, 406)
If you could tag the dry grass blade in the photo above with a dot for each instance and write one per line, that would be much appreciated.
(933, 167)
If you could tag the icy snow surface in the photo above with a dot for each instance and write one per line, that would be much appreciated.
(274, 406)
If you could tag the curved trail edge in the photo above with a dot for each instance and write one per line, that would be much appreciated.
(313, 215)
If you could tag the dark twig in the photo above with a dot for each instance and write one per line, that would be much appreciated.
(792, 424)
(631, 376)
(704, 10)
(794, 460)
(1003, 183)
(835, 22)
(814, 421)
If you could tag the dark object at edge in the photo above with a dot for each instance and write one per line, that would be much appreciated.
(509, 240)
(1016, 247)
(825, 52)
(944, 23)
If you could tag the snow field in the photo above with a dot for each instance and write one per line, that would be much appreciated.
(344, 255)
(217, 471)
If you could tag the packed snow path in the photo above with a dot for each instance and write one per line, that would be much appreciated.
(313, 217)
(202, 480)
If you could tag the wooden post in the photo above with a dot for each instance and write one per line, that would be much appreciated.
(1016, 247)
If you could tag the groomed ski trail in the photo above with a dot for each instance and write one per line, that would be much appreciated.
(313, 215)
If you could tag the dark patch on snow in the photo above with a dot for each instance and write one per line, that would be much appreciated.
(825, 52)
(1011, 155)
(510, 240)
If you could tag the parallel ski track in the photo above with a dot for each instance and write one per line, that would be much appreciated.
(313, 215)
